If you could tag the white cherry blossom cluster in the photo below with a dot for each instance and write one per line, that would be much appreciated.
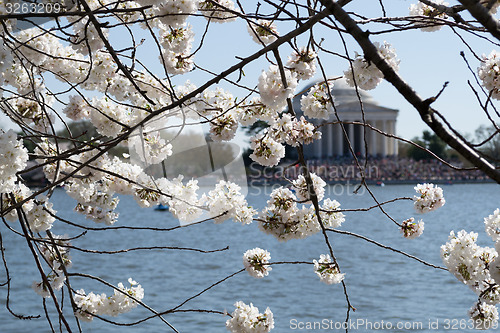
(281, 128)
(292, 131)
(176, 53)
(247, 319)
(283, 218)
(430, 197)
(280, 217)
(130, 16)
(492, 224)
(225, 201)
(5, 59)
(431, 13)
(176, 36)
(20, 192)
(189, 107)
(31, 112)
(219, 13)
(491, 288)
(46, 151)
(302, 190)
(303, 132)
(256, 262)
(38, 212)
(330, 215)
(184, 202)
(303, 63)
(41, 216)
(223, 127)
(214, 102)
(365, 74)
(94, 164)
(94, 189)
(484, 315)
(120, 302)
(107, 116)
(327, 270)
(54, 169)
(172, 13)
(56, 257)
(220, 107)
(150, 146)
(273, 92)
(36, 45)
(474, 265)
(479, 268)
(254, 110)
(102, 72)
(411, 229)
(121, 176)
(489, 73)
(77, 108)
(177, 40)
(97, 213)
(71, 66)
(467, 260)
(150, 192)
(86, 38)
(150, 85)
(13, 158)
(317, 102)
(263, 31)
(56, 280)
(16, 75)
(266, 150)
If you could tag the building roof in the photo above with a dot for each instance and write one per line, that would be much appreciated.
(346, 99)
(344, 94)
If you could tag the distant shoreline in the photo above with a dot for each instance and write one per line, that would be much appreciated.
(268, 182)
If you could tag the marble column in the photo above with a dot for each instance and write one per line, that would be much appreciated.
(329, 137)
(317, 148)
(373, 139)
(384, 128)
(324, 141)
(394, 141)
(339, 140)
(350, 133)
(361, 140)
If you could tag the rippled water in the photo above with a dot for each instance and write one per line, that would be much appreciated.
(382, 285)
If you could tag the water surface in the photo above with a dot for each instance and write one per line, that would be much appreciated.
(385, 287)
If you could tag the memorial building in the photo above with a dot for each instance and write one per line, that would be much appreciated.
(333, 143)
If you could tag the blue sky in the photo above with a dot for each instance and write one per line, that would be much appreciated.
(427, 61)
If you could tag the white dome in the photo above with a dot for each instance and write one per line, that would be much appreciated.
(344, 94)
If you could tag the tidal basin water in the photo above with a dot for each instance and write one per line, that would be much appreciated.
(388, 290)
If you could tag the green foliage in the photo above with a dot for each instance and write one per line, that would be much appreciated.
(429, 141)
(489, 138)
(83, 132)
(256, 127)
(79, 130)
